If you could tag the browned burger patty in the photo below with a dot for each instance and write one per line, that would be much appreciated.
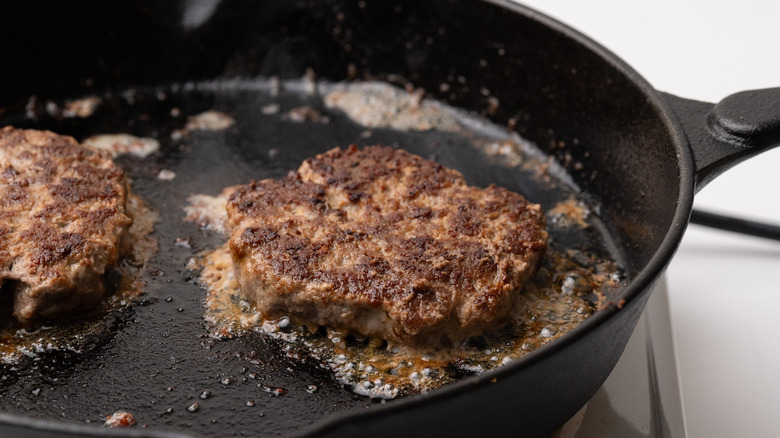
(62, 223)
(384, 243)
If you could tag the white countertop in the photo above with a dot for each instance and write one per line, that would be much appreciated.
(723, 288)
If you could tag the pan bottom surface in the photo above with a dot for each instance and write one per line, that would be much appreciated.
(155, 356)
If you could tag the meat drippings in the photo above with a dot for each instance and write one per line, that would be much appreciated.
(78, 334)
(557, 299)
(377, 104)
(567, 288)
(122, 144)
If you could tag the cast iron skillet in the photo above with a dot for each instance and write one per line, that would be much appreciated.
(640, 153)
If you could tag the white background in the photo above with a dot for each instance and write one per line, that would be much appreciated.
(724, 288)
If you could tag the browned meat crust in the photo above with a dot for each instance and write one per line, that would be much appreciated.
(62, 223)
(384, 243)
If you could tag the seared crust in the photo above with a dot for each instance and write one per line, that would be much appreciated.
(62, 222)
(384, 243)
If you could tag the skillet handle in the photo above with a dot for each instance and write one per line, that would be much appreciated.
(725, 134)
(722, 135)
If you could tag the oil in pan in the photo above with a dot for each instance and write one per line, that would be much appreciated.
(178, 362)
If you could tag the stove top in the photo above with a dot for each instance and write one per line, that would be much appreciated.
(642, 397)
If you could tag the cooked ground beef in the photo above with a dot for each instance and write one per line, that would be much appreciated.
(384, 243)
(62, 223)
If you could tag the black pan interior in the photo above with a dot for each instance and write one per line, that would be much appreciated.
(247, 383)
(570, 102)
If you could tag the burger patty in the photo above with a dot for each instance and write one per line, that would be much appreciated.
(62, 223)
(384, 243)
